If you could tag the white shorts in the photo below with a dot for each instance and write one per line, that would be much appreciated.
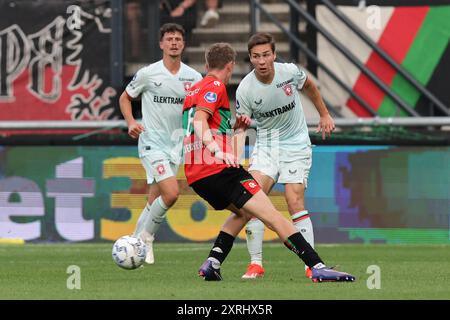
(293, 168)
(158, 170)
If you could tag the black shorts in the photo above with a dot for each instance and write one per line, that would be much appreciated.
(229, 186)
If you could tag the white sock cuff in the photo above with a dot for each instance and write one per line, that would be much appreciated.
(161, 203)
(299, 214)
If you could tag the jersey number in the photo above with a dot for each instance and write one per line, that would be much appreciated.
(190, 120)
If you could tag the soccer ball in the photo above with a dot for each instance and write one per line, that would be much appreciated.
(129, 252)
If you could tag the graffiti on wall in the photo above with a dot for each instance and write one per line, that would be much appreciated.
(50, 66)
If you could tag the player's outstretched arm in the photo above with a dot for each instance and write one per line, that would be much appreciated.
(326, 122)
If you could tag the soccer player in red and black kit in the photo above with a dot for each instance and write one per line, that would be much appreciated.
(213, 171)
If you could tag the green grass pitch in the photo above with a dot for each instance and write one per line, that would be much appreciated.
(39, 271)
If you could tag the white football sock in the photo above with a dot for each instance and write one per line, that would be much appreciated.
(303, 224)
(141, 221)
(255, 236)
(319, 265)
(156, 215)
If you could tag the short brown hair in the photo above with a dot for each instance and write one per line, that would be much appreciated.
(219, 54)
(170, 27)
(261, 38)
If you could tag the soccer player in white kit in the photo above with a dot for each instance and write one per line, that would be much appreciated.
(162, 86)
(282, 151)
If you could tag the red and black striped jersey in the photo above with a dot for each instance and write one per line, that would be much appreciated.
(208, 95)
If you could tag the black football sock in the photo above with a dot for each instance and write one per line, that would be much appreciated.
(222, 246)
(303, 249)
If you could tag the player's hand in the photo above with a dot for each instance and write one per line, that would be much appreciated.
(242, 122)
(135, 129)
(326, 126)
(229, 159)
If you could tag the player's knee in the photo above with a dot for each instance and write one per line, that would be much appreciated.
(170, 198)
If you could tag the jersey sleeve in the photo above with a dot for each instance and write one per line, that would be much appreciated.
(299, 75)
(243, 106)
(138, 84)
(210, 97)
(197, 77)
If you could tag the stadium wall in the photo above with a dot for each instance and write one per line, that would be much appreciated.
(356, 194)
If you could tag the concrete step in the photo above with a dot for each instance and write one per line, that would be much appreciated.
(197, 54)
(241, 12)
(269, 1)
(239, 32)
(226, 3)
(240, 70)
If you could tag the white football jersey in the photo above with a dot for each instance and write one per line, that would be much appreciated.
(163, 96)
(276, 107)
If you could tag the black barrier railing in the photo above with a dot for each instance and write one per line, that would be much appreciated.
(352, 58)
(375, 131)
(293, 27)
(256, 5)
(383, 54)
(116, 53)
(153, 27)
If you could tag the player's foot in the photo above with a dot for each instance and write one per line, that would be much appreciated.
(330, 275)
(253, 271)
(210, 271)
(308, 272)
(148, 240)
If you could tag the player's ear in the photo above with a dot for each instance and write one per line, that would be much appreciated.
(274, 56)
(228, 66)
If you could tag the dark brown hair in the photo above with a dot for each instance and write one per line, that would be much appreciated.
(170, 27)
(261, 38)
(219, 54)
